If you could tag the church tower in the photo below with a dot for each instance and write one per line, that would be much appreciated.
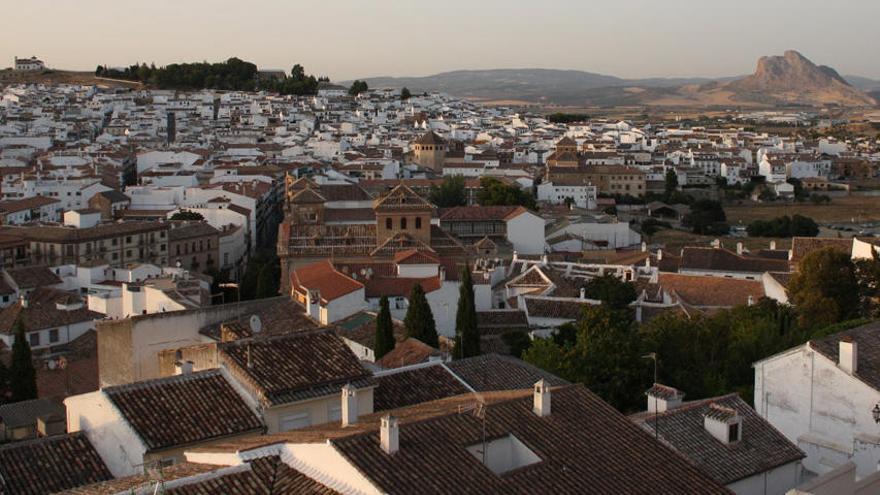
(430, 151)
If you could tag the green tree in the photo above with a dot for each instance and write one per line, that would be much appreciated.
(298, 73)
(22, 375)
(187, 215)
(671, 184)
(493, 192)
(612, 291)
(825, 290)
(868, 274)
(358, 87)
(267, 282)
(419, 320)
(467, 335)
(707, 217)
(384, 339)
(449, 193)
(405, 94)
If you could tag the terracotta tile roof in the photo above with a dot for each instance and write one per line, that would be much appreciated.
(47, 233)
(495, 372)
(762, 446)
(415, 257)
(323, 277)
(361, 328)
(399, 286)
(267, 475)
(867, 338)
(500, 321)
(407, 352)
(481, 213)
(14, 205)
(349, 215)
(293, 367)
(583, 443)
(802, 246)
(402, 198)
(343, 192)
(698, 258)
(183, 409)
(278, 315)
(42, 313)
(49, 465)
(555, 308)
(33, 276)
(703, 291)
(430, 137)
(414, 386)
(26, 412)
(128, 483)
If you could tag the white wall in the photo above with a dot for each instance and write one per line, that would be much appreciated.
(526, 233)
(118, 445)
(819, 407)
(776, 481)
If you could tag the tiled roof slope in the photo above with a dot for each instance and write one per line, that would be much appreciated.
(762, 447)
(585, 446)
(264, 476)
(496, 372)
(697, 258)
(294, 367)
(183, 409)
(49, 465)
(867, 337)
(415, 386)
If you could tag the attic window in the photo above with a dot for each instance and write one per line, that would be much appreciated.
(504, 454)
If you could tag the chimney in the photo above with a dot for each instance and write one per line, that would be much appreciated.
(541, 399)
(644, 246)
(750, 301)
(349, 405)
(659, 255)
(848, 355)
(583, 293)
(183, 367)
(723, 423)
(442, 273)
(773, 245)
(739, 248)
(24, 300)
(662, 398)
(389, 434)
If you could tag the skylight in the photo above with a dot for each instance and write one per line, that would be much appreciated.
(504, 454)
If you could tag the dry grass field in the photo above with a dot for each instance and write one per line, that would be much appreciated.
(841, 210)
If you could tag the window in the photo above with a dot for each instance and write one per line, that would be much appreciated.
(418, 223)
(53, 335)
(34, 338)
(178, 249)
(388, 224)
(294, 421)
(128, 239)
(403, 224)
(115, 256)
(733, 432)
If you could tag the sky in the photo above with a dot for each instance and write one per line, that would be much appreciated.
(347, 39)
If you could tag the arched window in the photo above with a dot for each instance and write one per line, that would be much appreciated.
(403, 224)
(418, 223)
(388, 224)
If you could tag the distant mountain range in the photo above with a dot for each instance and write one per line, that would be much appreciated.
(790, 79)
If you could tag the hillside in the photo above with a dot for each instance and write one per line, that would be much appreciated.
(790, 79)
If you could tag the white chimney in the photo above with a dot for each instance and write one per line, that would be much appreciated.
(644, 246)
(442, 273)
(659, 255)
(723, 423)
(583, 293)
(773, 245)
(183, 367)
(389, 434)
(349, 405)
(662, 398)
(750, 301)
(24, 300)
(848, 355)
(541, 399)
(739, 248)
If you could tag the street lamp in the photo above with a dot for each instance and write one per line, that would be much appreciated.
(876, 412)
(233, 285)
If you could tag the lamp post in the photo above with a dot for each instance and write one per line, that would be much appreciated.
(233, 285)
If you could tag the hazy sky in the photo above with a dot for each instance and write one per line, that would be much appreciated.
(357, 38)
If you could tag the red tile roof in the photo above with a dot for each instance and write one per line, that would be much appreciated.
(323, 277)
(415, 257)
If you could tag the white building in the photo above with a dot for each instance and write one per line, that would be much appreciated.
(29, 64)
(823, 395)
(581, 196)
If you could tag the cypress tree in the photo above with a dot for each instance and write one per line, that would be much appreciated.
(266, 282)
(22, 375)
(384, 341)
(419, 320)
(467, 336)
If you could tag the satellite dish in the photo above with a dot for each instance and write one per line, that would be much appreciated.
(256, 324)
